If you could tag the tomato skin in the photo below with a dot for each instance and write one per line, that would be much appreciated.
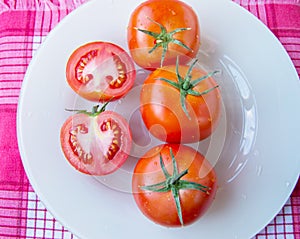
(162, 112)
(97, 54)
(159, 206)
(172, 14)
(97, 141)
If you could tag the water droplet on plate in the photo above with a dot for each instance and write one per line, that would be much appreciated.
(244, 196)
(29, 114)
(255, 152)
(259, 169)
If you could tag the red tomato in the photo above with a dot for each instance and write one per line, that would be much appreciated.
(96, 143)
(173, 185)
(100, 71)
(175, 115)
(157, 27)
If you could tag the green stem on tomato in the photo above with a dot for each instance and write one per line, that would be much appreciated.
(186, 86)
(174, 183)
(164, 38)
(95, 110)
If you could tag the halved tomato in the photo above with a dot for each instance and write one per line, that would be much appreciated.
(100, 71)
(97, 142)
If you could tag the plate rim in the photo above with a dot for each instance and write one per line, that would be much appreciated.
(20, 106)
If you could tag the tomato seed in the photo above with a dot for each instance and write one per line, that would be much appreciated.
(115, 141)
(87, 158)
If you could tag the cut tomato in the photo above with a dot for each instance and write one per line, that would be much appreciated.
(96, 143)
(100, 71)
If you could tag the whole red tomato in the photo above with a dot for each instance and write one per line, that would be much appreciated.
(160, 30)
(173, 185)
(100, 71)
(180, 104)
(97, 142)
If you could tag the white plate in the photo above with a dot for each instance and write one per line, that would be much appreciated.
(257, 145)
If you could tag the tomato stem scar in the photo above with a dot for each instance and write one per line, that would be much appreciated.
(174, 183)
(164, 38)
(185, 84)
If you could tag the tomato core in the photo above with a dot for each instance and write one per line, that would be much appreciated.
(108, 127)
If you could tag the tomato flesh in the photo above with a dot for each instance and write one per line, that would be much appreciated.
(100, 71)
(96, 145)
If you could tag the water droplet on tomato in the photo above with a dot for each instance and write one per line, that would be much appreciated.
(173, 12)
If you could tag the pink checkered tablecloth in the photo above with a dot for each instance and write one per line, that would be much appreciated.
(23, 26)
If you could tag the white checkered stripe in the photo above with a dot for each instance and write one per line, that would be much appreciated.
(281, 227)
(41, 224)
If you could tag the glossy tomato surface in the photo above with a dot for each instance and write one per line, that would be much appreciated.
(163, 114)
(96, 145)
(160, 207)
(100, 71)
(172, 15)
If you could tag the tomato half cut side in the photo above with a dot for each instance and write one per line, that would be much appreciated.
(96, 145)
(100, 71)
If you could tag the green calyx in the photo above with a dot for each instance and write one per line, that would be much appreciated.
(164, 38)
(186, 85)
(174, 183)
(96, 110)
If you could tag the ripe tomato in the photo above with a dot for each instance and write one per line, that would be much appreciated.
(160, 30)
(100, 71)
(96, 143)
(173, 185)
(180, 111)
